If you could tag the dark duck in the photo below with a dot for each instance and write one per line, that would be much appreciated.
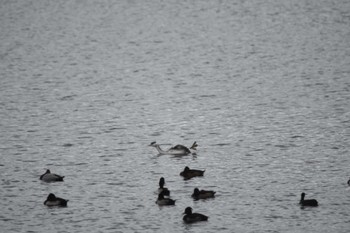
(307, 202)
(193, 217)
(188, 173)
(202, 194)
(52, 200)
(50, 177)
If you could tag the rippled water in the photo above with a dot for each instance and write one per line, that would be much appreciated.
(262, 86)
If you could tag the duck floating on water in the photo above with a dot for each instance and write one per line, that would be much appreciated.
(176, 150)
(52, 200)
(162, 189)
(307, 202)
(202, 194)
(193, 217)
(50, 177)
(188, 173)
(164, 201)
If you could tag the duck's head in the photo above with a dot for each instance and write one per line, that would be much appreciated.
(302, 195)
(51, 197)
(186, 169)
(48, 171)
(188, 210)
(161, 182)
(196, 191)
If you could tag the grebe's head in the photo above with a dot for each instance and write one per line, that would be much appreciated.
(154, 144)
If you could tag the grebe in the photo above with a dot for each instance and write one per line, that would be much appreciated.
(50, 177)
(162, 189)
(193, 217)
(308, 202)
(52, 200)
(176, 150)
(188, 173)
(202, 194)
(164, 201)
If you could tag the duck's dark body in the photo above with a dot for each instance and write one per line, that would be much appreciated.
(193, 217)
(50, 177)
(202, 194)
(164, 201)
(52, 200)
(188, 173)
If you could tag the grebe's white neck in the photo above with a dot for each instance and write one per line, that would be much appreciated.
(160, 151)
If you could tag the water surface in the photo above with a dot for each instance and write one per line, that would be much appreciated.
(263, 87)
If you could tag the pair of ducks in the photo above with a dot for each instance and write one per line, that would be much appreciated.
(189, 216)
(195, 217)
(52, 200)
(188, 173)
(196, 195)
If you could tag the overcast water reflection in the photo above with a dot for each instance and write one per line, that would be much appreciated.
(261, 86)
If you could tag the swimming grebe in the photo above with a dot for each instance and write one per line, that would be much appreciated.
(176, 150)
(50, 177)
(193, 217)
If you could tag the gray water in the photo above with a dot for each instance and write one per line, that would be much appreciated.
(262, 86)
